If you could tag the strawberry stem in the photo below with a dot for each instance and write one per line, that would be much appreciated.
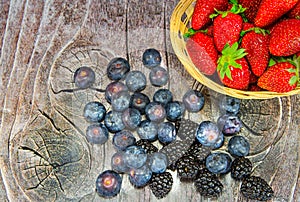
(192, 32)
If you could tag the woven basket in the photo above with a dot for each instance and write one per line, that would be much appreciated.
(179, 24)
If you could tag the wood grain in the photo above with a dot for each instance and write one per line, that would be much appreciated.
(44, 153)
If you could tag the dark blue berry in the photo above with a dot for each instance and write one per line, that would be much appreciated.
(131, 118)
(158, 76)
(135, 156)
(229, 105)
(120, 101)
(163, 96)
(193, 101)
(218, 163)
(139, 101)
(229, 124)
(108, 184)
(117, 68)
(84, 77)
(139, 177)
(158, 162)
(151, 58)
(136, 81)
(209, 135)
(166, 133)
(174, 110)
(113, 88)
(155, 112)
(147, 130)
(94, 112)
(118, 162)
(97, 133)
(113, 121)
(238, 146)
(123, 139)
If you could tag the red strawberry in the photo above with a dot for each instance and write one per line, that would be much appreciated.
(256, 43)
(281, 77)
(251, 8)
(285, 38)
(202, 52)
(227, 27)
(233, 68)
(295, 12)
(203, 9)
(254, 87)
(271, 10)
(247, 26)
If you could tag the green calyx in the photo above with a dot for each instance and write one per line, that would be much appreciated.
(229, 56)
(296, 62)
(235, 9)
(192, 32)
(257, 30)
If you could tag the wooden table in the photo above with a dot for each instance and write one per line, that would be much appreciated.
(44, 153)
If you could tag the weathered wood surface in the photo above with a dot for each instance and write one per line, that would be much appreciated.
(43, 42)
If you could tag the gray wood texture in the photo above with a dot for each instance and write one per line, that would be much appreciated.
(44, 155)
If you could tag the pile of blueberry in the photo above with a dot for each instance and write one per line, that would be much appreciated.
(136, 120)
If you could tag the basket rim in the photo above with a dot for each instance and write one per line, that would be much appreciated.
(176, 24)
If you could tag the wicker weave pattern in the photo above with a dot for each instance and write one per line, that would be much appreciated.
(180, 22)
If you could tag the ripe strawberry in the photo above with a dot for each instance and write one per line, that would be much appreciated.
(227, 27)
(285, 38)
(203, 9)
(251, 8)
(295, 12)
(202, 52)
(254, 87)
(281, 77)
(271, 10)
(256, 43)
(233, 68)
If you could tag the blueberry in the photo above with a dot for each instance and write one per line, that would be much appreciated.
(147, 130)
(97, 133)
(113, 88)
(136, 81)
(166, 133)
(120, 101)
(193, 101)
(123, 139)
(155, 112)
(84, 77)
(135, 156)
(158, 162)
(158, 76)
(229, 124)
(131, 118)
(117, 68)
(94, 111)
(113, 121)
(238, 146)
(139, 177)
(108, 184)
(118, 162)
(174, 110)
(163, 96)
(209, 135)
(139, 101)
(151, 58)
(229, 105)
(218, 163)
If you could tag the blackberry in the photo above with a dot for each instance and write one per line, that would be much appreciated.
(147, 146)
(161, 184)
(186, 129)
(207, 184)
(187, 167)
(241, 168)
(256, 188)
(198, 151)
(174, 151)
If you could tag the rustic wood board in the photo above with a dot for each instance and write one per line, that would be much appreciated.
(44, 42)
